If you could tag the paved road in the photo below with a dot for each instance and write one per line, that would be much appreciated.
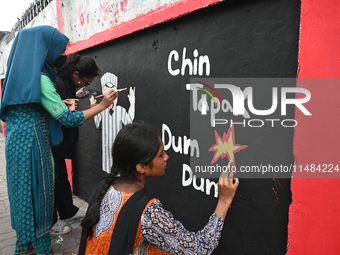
(65, 243)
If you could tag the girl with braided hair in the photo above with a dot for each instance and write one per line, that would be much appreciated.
(138, 154)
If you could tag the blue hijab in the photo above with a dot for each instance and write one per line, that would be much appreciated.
(33, 52)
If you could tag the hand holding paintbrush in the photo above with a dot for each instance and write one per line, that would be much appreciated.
(118, 90)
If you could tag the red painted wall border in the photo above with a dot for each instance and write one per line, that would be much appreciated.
(314, 222)
(159, 15)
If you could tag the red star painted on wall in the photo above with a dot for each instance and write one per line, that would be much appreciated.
(225, 147)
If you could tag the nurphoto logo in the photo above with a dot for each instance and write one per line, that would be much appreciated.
(217, 97)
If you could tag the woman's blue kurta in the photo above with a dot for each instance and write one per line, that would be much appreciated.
(29, 161)
(34, 113)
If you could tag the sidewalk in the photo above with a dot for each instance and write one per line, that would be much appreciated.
(65, 243)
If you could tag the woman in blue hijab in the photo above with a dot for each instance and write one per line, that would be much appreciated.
(34, 112)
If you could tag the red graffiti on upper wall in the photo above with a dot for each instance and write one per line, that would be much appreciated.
(123, 5)
(111, 12)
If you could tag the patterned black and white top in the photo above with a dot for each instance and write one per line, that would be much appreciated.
(158, 230)
(168, 234)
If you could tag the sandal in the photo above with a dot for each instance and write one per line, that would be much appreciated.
(60, 228)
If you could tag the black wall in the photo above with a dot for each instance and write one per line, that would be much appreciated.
(242, 39)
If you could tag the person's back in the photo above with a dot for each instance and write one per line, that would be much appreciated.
(138, 154)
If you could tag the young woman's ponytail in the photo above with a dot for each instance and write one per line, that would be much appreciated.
(136, 143)
(93, 213)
